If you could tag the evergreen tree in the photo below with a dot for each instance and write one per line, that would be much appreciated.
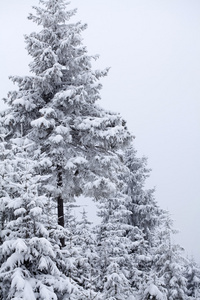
(144, 218)
(6, 187)
(71, 251)
(141, 202)
(32, 264)
(113, 247)
(169, 264)
(56, 108)
(152, 292)
(87, 264)
(192, 274)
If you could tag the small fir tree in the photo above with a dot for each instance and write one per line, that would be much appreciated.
(87, 264)
(192, 274)
(113, 248)
(141, 202)
(169, 264)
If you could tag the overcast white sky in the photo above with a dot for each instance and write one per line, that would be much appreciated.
(153, 49)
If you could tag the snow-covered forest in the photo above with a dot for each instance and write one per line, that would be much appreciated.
(57, 145)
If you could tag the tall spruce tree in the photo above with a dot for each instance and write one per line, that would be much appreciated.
(56, 109)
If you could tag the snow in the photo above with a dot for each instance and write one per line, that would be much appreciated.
(45, 162)
(152, 290)
(25, 103)
(36, 211)
(15, 259)
(17, 280)
(62, 130)
(47, 293)
(43, 264)
(19, 211)
(42, 122)
(65, 94)
(19, 245)
(56, 139)
(131, 298)
(47, 111)
(145, 258)
(28, 291)
(100, 183)
(9, 119)
(79, 160)
(89, 123)
(20, 101)
(73, 162)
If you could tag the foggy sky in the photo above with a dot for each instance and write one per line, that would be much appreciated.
(153, 49)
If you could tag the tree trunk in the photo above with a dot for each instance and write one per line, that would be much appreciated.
(60, 203)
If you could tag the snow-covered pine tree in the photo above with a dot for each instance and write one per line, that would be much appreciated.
(113, 248)
(87, 264)
(151, 291)
(145, 210)
(71, 251)
(6, 187)
(139, 259)
(32, 264)
(145, 215)
(78, 257)
(168, 263)
(56, 107)
(192, 274)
